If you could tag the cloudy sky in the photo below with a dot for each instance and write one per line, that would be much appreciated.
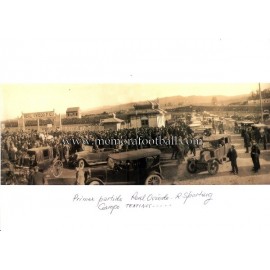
(46, 97)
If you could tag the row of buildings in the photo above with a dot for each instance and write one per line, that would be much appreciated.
(257, 98)
(144, 114)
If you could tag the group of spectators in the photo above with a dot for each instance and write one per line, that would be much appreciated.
(14, 144)
(252, 137)
(259, 135)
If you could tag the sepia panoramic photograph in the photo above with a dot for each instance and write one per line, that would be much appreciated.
(135, 134)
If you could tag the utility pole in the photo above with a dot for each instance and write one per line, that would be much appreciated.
(136, 130)
(261, 102)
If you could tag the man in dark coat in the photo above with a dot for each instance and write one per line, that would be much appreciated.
(232, 155)
(246, 141)
(255, 155)
(37, 178)
(4, 153)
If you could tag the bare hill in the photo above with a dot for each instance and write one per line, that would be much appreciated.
(174, 101)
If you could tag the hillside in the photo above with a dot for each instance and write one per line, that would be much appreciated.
(174, 101)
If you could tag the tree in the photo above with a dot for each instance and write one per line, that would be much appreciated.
(214, 101)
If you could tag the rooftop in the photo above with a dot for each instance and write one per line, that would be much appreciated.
(146, 111)
(136, 154)
(112, 120)
(73, 109)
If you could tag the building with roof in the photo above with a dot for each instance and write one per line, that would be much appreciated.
(265, 101)
(112, 123)
(73, 112)
(148, 114)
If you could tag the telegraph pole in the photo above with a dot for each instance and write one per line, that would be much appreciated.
(261, 102)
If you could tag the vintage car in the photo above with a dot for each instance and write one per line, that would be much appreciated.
(266, 114)
(202, 131)
(259, 131)
(241, 126)
(43, 158)
(90, 157)
(137, 167)
(20, 172)
(11, 176)
(214, 152)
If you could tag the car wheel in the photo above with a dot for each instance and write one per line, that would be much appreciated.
(57, 168)
(191, 167)
(95, 181)
(213, 167)
(153, 179)
(81, 163)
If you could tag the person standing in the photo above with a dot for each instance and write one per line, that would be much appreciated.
(174, 151)
(214, 127)
(255, 156)
(232, 155)
(264, 140)
(80, 176)
(176, 148)
(37, 178)
(246, 141)
(4, 153)
(192, 146)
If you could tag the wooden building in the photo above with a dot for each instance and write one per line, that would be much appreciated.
(73, 112)
(148, 114)
(112, 123)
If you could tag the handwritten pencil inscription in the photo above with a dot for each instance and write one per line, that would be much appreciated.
(137, 200)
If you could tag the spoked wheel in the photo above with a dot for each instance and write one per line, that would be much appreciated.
(191, 167)
(213, 167)
(153, 180)
(57, 168)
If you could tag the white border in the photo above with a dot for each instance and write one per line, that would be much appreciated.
(154, 41)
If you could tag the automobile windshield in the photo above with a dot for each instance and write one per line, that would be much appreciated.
(31, 153)
(211, 144)
(206, 144)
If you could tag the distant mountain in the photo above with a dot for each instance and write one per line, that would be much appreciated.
(200, 100)
(172, 102)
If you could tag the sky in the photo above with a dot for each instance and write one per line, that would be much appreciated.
(26, 98)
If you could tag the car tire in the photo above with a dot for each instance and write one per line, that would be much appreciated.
(153, 179)
(57, 168)
(95, 181)
(191, 167)
(213, 167)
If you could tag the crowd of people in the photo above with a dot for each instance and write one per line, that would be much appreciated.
(252, 137)
(259, 135)
(14, 144)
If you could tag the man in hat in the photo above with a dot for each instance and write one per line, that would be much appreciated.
(37, 178)
(255, 156)
(246, 141)
(232, 155)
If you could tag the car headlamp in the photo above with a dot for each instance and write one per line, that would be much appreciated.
(110, 163)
